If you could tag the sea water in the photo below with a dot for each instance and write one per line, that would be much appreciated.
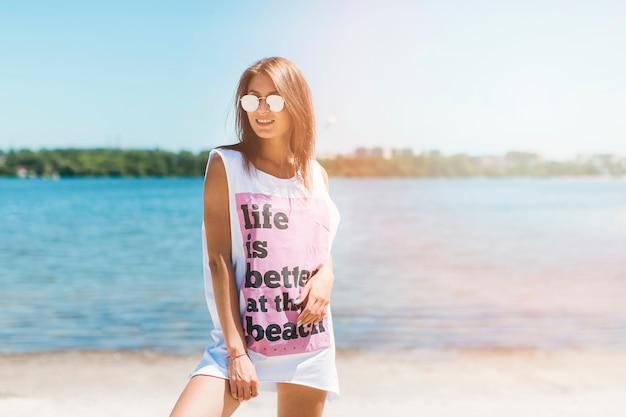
(420, 264)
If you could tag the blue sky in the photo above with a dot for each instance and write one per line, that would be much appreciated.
(472, 76)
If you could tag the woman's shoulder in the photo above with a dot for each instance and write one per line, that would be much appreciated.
(232, 147)
(229, 152)
(322, 171)
(237, 147)
(224, 158)
(318, 175)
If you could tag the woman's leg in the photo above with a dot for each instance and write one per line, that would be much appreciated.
(205, 396)
(300, 401)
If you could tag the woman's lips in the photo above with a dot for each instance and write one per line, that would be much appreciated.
(264, 122)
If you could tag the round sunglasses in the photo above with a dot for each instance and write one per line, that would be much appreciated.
(250, 102)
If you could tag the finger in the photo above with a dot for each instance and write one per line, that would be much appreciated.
(313, 312)
(233, 389)
(241, 394)
(254, 389)
(310, 317)
(246, 394)
(250, 390)
(303, 294)
(303, 318)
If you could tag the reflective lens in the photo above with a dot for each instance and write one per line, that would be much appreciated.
(275, 103)
(250, 102)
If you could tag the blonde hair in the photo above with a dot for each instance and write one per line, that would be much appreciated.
(293, 88)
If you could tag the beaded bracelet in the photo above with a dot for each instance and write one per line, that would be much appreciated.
(236, 356)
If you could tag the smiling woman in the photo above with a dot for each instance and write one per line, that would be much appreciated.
(296, 120)
(266, 122)
(269, 224)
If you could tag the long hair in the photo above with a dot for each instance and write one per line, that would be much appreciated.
(293, 88)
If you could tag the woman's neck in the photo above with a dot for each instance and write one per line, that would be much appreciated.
(274, 157)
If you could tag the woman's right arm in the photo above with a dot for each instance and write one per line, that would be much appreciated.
(242, 375)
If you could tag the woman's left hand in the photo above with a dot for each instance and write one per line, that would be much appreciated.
(315, 295)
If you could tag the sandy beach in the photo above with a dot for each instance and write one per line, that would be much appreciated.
(444, 384)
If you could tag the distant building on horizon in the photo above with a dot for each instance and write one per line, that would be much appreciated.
(405, 152)
(382, 152)
(523, 158)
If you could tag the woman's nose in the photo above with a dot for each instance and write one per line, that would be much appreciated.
(263, 107)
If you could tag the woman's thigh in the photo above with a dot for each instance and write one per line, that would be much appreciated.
(205, 396)
(300, 401)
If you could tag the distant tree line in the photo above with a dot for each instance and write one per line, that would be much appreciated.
(434, 164)
(102, 162)
(156, 163)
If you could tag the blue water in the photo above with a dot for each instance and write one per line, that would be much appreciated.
(420, 264)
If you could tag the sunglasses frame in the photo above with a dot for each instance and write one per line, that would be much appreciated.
(258, 102)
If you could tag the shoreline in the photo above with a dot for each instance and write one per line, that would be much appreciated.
(462, 382)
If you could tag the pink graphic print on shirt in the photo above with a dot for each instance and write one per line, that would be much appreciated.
(286, 240)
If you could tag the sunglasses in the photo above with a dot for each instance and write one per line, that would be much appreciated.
(250, 102)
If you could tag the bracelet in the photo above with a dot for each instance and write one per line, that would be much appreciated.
(237, 356)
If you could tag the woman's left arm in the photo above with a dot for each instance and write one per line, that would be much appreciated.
(316, 293)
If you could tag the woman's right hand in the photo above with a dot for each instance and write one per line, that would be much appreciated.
(244, 383)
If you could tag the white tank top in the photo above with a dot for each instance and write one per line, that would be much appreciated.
(281, 235)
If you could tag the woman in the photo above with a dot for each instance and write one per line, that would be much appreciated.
(269, 224)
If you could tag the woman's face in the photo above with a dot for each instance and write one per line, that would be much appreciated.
(267, 124)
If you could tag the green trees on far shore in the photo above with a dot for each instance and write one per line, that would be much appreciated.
(156, 162)
(101, 162)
